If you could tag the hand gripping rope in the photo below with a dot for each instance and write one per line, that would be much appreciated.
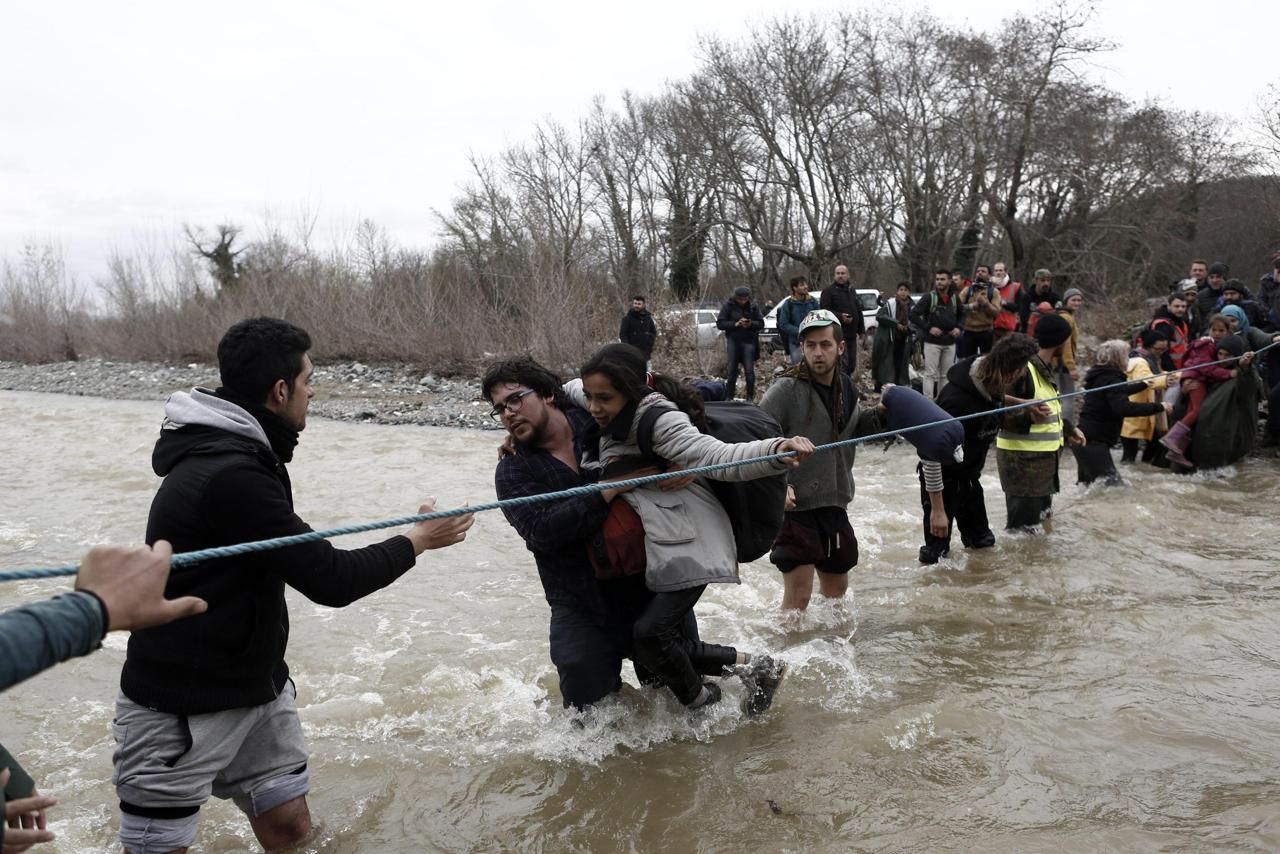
(188, 558)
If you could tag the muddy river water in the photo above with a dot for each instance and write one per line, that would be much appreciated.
(1112, 685)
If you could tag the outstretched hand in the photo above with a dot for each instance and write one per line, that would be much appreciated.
(438, 533)
(130, 582)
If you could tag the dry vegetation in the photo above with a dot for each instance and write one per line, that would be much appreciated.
(893, 143)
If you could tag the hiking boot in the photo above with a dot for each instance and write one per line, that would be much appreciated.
(761, 676)
(708, 696)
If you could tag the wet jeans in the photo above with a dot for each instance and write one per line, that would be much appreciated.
(670, 654)
(966, 508)
(1027, 512)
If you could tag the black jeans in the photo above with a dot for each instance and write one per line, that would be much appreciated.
(743, 352)
(973, 343)
(588, 648)
(669, 653)
(1027, 512)
(966, 507)
(849, 361)
(1093, 461)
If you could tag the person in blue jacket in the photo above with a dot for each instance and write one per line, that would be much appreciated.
(791, 313)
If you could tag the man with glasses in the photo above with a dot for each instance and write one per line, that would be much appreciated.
(553, 444)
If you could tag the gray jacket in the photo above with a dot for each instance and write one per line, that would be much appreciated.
(688, 537)
(825, 479)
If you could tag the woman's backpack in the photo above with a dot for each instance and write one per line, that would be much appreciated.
(755, 507)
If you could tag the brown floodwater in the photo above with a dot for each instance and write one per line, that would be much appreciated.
(1111, 685)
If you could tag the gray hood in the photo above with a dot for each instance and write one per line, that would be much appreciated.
(202, 407)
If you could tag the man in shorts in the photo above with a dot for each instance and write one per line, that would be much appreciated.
(206, 704)
(816, 400)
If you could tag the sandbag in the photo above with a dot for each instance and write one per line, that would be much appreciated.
(906, 407)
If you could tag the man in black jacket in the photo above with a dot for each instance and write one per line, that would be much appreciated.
(741, 322)
(937, 319)
(1207, 297)
(638, 328)
(842, 300)
(206, 705)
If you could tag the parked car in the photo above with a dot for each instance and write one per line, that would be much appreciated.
(697, 326)
(869, 298)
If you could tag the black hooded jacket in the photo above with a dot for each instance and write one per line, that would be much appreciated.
(1103, 414)
(222, 488)
(962, 396)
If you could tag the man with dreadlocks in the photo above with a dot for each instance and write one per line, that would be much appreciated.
(816, 400)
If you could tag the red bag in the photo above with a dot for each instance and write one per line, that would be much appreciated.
(617, 549)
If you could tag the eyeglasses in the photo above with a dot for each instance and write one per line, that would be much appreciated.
(509, 406)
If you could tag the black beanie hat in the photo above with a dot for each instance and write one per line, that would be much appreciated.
(1235, 285)
(1217, 268)
(1052, 331)
(1233, 344)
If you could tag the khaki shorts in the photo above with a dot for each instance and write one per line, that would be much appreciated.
(167, 766)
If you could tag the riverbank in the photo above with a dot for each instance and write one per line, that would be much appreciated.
(350, 391)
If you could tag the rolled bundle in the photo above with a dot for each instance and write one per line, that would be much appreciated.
(906, 407)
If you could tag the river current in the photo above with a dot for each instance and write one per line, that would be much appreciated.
(1111, 685)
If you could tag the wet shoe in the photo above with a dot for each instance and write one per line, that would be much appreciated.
(929, 556)
(708, 696)
(761, 676)
(986, 542)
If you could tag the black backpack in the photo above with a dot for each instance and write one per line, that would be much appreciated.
(755, 507)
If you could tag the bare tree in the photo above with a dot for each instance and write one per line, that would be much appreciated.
(224, 264)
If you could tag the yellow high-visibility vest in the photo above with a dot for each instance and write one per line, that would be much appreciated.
(1042, 437)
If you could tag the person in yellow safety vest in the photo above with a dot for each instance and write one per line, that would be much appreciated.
(1031, 439)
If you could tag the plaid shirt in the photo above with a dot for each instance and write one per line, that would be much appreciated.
(557, 531)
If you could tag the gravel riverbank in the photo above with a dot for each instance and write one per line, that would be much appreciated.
(382, 394)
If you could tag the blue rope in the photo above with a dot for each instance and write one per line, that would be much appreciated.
(188, 558)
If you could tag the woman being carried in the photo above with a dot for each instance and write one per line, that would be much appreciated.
(689, 540)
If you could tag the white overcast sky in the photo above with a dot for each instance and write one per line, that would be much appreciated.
(119, 121)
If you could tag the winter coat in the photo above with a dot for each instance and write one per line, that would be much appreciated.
(933, 310)
(1200, 352)
(964, 395)
(1256, 314)
(727, 321)
(1179, 332)
(1228, 425)
(1206, 299)
(639, 330)
(790, 313)
(1029, 298)
(1269, 297)
(1141, 366)
(1104, 412)
(225, 483)
(1010, 303)
(888, 340)
(823, 480)
(843, 299)
(688, 537)
(1067, 361)
(979, 316)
